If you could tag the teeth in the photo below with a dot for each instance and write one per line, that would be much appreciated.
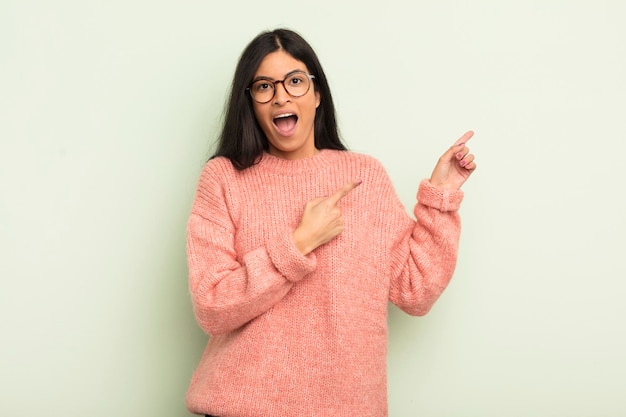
(280, 116)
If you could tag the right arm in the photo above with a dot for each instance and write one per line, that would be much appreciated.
(227, 293)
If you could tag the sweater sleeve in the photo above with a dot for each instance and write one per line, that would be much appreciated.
(227, 293)
(424, 254)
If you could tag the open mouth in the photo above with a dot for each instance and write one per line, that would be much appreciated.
(285, 123)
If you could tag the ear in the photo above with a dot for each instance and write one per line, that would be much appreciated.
(318, 99)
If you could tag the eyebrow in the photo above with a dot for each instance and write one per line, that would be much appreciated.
(263, 77)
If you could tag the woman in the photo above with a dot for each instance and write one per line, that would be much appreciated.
(295, 247)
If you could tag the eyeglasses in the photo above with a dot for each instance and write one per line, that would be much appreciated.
(296, 84)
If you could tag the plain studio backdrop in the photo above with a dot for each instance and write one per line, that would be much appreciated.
(110, 109)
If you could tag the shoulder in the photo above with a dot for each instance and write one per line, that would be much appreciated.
(217, 168)
(216, 180)
(215, 195)
(370, 170)
(361, 160)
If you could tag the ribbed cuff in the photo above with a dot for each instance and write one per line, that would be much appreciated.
(288, 260)
(439, 198)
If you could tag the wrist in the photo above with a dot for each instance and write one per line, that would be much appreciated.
(301, 243)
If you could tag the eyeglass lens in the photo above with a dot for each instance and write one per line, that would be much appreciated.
(296, 85)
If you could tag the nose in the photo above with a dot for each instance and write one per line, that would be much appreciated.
(280, 94)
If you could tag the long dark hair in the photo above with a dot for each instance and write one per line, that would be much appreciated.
(242, 140)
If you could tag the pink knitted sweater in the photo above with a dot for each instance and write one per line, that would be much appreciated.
(306, 336)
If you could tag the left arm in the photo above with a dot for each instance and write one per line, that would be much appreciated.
(424, 255)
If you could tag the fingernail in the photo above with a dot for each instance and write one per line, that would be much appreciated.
(359, 182)
(459, 155)
(463, 163)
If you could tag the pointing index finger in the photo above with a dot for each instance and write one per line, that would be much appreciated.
(461, 141)
(343, 191)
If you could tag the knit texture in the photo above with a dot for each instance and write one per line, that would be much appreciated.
(306, 336)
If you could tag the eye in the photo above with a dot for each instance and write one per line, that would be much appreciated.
(261, 86)
(296, 79)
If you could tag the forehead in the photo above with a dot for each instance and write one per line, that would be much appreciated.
(276, 64)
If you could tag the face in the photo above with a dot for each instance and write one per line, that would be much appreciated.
(287, 121)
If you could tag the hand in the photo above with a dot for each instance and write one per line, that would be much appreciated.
(455, 166)
(321, 221)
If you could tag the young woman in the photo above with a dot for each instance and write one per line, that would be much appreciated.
(296, 245)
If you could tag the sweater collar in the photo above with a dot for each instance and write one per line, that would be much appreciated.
(277, 165)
